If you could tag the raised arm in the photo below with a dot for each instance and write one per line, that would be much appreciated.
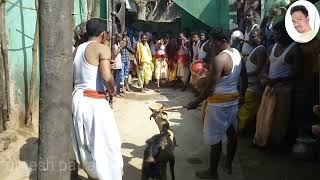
(105, 68)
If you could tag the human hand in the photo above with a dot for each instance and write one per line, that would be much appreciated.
(115, 91)
(113, 64)
(193, 104)
(316, 110)
(123, 44)
(241, 100)
(240, 39)
(316, 130)
(140, 66)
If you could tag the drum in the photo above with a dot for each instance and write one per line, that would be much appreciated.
(199, 71)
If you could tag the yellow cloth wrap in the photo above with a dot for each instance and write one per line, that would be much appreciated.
(145, 74)
(248, 111)
(142, 57)
(172, 70)
(216, 98)
(222, 98)
(154, 63)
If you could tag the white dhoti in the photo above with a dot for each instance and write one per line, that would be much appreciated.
(217, 121)
(95, 138)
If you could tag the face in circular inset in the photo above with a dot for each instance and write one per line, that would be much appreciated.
(302, 21)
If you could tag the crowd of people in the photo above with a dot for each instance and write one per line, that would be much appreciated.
(259, 79)
(157, 56)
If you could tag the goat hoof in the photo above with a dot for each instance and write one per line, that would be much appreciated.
(207, 175)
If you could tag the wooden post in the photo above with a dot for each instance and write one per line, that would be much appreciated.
(2, 92)
(30, 105)
(5, 56)
(56, 33)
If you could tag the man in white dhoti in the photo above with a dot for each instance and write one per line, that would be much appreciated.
(222, 97)
(95, 137)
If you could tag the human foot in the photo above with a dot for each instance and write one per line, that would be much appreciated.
(316, 110)
(227, 167)
(206, 174)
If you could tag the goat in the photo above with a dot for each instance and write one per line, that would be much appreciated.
(159, 150)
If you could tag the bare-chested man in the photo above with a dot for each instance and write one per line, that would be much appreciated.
(95, 137)
(222, 96)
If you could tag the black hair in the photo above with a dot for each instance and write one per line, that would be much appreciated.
(95, 27)
(183, 33)
(299, 8)
(195, 33)
(143, 34)
(80, 29)
(258, 31)
(166, 35)
(172, 48)
(203, 32)
(281, 28)
(220, 34)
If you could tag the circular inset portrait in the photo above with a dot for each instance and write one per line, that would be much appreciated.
(302, 21)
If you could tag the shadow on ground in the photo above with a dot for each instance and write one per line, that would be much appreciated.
(275, 163)
(29, 154)
(132, 172)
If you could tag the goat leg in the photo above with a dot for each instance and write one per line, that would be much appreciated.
(163, 171)
(171, 164)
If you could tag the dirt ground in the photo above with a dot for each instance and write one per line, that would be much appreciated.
(132, 115)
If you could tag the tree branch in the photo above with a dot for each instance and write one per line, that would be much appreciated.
(23, 7)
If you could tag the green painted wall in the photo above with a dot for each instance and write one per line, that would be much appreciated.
(80, 11)
(20, 24)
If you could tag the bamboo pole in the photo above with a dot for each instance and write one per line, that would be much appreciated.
(89, 9)
(5, 56)
(30, 103)
(2, 92)
(95, 6)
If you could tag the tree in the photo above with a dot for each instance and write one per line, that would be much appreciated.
(56, 32)
(142, 9)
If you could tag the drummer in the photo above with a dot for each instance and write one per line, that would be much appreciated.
(254, 66)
